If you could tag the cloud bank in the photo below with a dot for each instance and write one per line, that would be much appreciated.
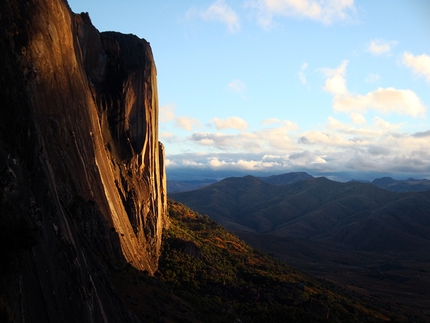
(368, 144)
(336, 147)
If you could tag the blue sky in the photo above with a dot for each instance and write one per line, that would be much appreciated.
(337, 88)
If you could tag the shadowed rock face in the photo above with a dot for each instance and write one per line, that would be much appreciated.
(80, 159)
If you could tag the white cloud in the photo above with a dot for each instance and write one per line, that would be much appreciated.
(336, 82)
(278, 137)
(271, 138)
(379, 47)
(167, 136)
(167, 112)
(215, 162)
(419, 64)
(290, 125)
(270, 121)
(372, 78)
(325, 138)
(240, 164)
(237, 86)
(169, 163)
(302, 75)
(319, 160)
(227, 142)
(221, 12)
(305, 157)
(325, 11)
(338, 135)
(283, 126)
(383, 100)
(230, 123)
(384, 125)
(187, 123)
(192, 163)
(358, 118)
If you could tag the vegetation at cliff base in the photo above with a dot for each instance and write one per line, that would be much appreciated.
(207, 274)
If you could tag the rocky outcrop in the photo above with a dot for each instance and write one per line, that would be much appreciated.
(80, 161)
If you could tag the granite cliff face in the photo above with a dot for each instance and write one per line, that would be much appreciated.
(81, 164)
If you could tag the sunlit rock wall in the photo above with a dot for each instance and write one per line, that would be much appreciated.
(122, 76)
(82, 162)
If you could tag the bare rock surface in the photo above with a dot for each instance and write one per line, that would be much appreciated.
(80, 161)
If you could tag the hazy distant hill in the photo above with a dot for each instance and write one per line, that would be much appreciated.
(283, 179)
(184, 186)
(354, 215)
(388, 183)
(409, 185)
(288, 178)
(354, 233)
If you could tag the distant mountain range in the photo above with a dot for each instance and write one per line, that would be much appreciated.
(352, 215)
(343, 231)
(388, 183)
(184, 186)
(288, 178)
(408, 185)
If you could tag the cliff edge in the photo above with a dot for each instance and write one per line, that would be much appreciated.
(83, 183)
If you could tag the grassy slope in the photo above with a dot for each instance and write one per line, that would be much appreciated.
(207, 274)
